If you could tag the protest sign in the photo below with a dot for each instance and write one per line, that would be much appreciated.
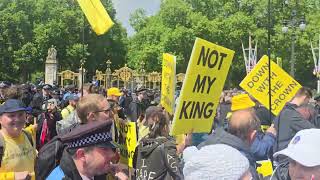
(168, 82)
(206, 73)
(283, 86)
(127, 141)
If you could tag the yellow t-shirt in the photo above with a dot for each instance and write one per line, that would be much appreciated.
(19, 156)
(32, 129)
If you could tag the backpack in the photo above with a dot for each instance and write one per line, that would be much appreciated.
(2, 143)
(49, 157)
(65, 125)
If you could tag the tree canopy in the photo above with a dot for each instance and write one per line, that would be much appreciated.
(28, 28)
(228, 23)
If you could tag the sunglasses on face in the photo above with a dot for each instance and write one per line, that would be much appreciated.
(106, 111)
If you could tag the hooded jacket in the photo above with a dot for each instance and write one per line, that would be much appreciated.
(157, 159)
(287, 124)
(220, 136)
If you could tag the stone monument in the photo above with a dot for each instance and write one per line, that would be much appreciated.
(51, 66)
(80, 77)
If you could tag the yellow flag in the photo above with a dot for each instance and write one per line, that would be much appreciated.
(97, 16)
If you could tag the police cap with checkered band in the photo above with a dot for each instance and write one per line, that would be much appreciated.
(96, 133)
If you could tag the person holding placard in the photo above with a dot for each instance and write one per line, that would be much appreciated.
(287, 124)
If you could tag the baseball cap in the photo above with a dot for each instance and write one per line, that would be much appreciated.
(140, 90)
(304, 148)
(28, 110)
(72, 97)
(12, 105)
(217, 161)
(56, 91)
(96, 133)
(47, 87)
(114, 92)
(70, 87)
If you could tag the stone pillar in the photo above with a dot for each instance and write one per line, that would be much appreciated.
(80, 77)
(51, 66)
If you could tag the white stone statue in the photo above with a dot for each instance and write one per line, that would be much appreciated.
(52, 53)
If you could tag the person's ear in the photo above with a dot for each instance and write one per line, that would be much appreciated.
(252, 136)
(80, 154)
(90, 116)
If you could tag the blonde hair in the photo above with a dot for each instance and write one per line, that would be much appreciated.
(87, 104)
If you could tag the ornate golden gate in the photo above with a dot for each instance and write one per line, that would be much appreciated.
(124, 77)
(68, 77)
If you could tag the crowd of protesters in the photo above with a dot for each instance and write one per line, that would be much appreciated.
(48, 132)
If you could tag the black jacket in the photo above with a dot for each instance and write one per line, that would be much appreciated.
(36, 104)
(136, 109)
(287, 124)
(70, 170)
(220, 136)
(157, 159)
(51, 122)
(264, 115)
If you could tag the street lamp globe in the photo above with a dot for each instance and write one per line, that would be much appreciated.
(286, 2)
(302, 26)
(285, 29)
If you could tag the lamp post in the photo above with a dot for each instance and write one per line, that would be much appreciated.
(316, 59)
(293, 23)
(82, 61)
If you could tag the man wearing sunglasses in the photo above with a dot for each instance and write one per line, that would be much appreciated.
(93, 107)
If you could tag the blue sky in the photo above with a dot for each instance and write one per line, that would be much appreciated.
(125, 7)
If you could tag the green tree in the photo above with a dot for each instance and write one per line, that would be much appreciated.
(28, 28)
(138, 19)
(228, 23)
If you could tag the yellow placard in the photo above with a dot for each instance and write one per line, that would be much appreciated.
(207, 71)
(127, 141)
(265, 169)
(283, 86)
(168, 82)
